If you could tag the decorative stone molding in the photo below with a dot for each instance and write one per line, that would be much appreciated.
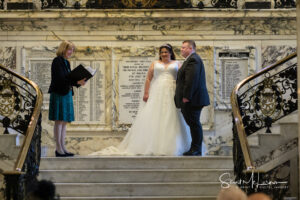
(149, 13)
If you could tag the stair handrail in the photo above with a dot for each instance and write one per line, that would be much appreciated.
(237, 117)
(31, 126)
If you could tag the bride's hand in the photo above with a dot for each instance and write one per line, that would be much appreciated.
(145, 97)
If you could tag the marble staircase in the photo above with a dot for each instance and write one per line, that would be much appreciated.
(283, 132)
(279, 150)
(137, 178)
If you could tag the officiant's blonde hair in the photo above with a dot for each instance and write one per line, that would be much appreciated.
(63, 47)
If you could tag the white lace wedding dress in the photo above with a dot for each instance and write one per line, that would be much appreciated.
(159, 127)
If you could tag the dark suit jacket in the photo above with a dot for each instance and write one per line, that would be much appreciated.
(60, 83)
(191, 83)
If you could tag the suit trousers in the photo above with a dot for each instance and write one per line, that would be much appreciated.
(192, 117)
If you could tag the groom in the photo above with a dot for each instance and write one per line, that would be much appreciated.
(191, 94)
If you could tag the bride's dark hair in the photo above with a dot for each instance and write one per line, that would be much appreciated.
(169, 48)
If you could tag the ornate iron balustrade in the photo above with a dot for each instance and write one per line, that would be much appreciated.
(257, 102)
(224, 3)
(120, 4)
(150, 4)
(285, 3)
(269, 100)
(20, 106)
(16, 103)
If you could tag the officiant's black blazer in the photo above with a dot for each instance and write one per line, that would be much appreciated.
(60, 83)
(191, 83)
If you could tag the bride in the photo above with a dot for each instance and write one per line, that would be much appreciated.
(159, 127)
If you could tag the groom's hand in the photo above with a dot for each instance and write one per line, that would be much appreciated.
(185, 100)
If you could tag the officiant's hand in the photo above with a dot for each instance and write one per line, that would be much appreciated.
(145, 97)
(81, 82)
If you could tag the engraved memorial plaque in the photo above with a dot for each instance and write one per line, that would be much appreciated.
(89, 100)
(232, 67)
(132, 75)
(233, 72)
(40, 73)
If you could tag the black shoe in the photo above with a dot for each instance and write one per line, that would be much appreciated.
(193, 152)
(69, 154)
(59, 154)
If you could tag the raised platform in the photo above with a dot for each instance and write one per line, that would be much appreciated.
(139, 177)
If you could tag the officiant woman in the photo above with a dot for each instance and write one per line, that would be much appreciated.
(61, 109)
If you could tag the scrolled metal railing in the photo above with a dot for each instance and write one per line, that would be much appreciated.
(257, 102)
(20, 112)
(263, 98)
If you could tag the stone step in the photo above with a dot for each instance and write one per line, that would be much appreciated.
(289, 130)
(136, 162)
(134, 176)
(137, 189)
(279, 158)
(266, 142)
(270, 142)
(144, 198)
(291, 118)
(280, 126)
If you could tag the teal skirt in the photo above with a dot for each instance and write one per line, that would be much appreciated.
(61, 107)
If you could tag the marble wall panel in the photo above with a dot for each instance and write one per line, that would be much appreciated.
(219, 140)
(272, 54)
(8, 57)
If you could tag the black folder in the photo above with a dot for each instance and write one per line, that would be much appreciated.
(81, 72)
